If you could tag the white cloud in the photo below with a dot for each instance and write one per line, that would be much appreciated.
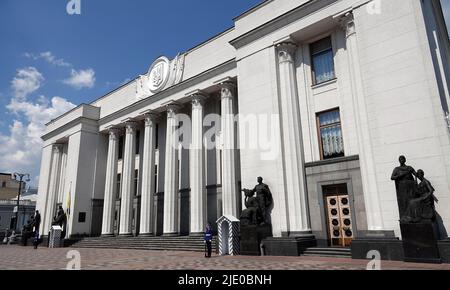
(81, 79)
(48, 57)
(26, 81)
(21, 147)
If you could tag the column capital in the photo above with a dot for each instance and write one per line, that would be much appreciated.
(286, 51)
(347, 23)
(227, 89)
(130, 126)
(172, 109)
(198, 99)
(113, 130)
(57, 148)
(150, 117)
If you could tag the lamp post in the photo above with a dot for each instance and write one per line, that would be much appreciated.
(19, 177)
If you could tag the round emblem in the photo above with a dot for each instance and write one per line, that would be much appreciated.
(158, 74)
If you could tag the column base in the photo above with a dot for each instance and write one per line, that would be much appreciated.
(107, 236)
(146, 235)
(385, 242)
(199, 234)
(171, 235)
(127, 235)
(288, 246)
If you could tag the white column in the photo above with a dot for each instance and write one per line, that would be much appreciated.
(110, 183)
(369, 182)
(196, 171)
(229, 184)
(148, 176)
(126, 203)
(55, 170)
(170, 221)
(292, 142)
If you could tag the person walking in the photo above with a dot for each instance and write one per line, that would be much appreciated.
(208, 241)
(37, 221)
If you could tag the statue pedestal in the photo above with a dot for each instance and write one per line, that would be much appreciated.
(251, 237)
(420, 242)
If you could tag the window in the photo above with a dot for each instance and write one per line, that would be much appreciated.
(119, 177)
(4, 184)
(322, 61)
(136, 180)
(330, 134)
(157, 136)
(82, 217)
(138, 143)
(120, 147)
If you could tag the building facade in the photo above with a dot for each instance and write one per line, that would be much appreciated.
(318, 97)
(9, 187)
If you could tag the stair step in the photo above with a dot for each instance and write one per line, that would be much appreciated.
(328, 252)
(183, 243)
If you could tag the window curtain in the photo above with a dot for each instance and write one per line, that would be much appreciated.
(331, 135)
(323, 66)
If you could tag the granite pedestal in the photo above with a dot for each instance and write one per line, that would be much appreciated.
(420, 242)
(251, 237)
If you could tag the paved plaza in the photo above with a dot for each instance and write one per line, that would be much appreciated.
(20, 258)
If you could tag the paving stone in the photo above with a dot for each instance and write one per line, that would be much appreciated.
(26, 258)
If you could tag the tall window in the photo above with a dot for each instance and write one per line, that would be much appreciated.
(322, 61)
(136, 180)
(120, 155)
(138, 142)
(119, 177)
(156, 136)
(330, 134)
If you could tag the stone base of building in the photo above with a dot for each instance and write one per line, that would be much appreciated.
(128, 235)
(385, 242)
(107, 235)
(146, 235)
(288, 246)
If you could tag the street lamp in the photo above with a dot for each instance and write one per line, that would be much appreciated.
(19, 177)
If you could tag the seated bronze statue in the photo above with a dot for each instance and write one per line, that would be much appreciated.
(252, 214)
(258, 208)
(421, 207)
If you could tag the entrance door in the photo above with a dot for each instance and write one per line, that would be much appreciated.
(339, 215)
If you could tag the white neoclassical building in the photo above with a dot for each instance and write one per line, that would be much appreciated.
(318, 97)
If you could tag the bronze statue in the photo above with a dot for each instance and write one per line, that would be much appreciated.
(252, 214)
(61, 220)
(421, 208)
(415, 201)
(257, 211)
(405, 184)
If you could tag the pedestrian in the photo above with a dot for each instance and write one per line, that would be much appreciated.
(36, 240)
(208, 240)
(37, 221)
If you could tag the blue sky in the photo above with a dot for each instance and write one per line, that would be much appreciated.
(51, 61)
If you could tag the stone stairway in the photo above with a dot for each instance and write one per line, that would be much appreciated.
(328, 252)
(182, 243)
